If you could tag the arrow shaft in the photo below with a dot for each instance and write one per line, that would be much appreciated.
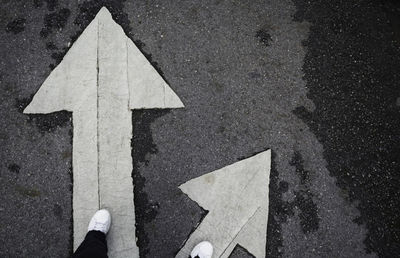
(102, 150)
(114, 138)
(85, 173)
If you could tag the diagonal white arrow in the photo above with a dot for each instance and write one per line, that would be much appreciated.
(101, 78)
(236, 197)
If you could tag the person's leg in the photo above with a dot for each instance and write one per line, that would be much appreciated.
(95, 245)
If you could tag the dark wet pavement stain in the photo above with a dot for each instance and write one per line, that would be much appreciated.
(55, 21)
(14, 168)
(142, 146)
(51, 4)
(352, 70)
(277, 212)
(264, 37)
(16, 26)
(240, 252)
(45, 123)
(303, 201)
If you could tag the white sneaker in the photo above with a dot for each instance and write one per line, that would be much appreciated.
(100, 221)
(202, 250)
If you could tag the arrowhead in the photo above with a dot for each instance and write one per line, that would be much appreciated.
(241, 179)
(236, 197)
(147, 88)
(75, 80)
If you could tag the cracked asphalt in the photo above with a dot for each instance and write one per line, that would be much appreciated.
(317, 82)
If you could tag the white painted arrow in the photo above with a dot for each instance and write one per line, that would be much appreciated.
(101, 78)
(236, 197)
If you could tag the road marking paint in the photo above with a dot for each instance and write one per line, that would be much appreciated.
(236, 197)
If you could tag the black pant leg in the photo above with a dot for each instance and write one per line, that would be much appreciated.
(94, 246)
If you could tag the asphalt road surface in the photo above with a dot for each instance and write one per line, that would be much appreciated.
(317, 82)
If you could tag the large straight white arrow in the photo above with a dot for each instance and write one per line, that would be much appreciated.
(101, 78)
(236, 197)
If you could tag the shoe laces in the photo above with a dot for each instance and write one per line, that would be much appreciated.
(98, 224)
